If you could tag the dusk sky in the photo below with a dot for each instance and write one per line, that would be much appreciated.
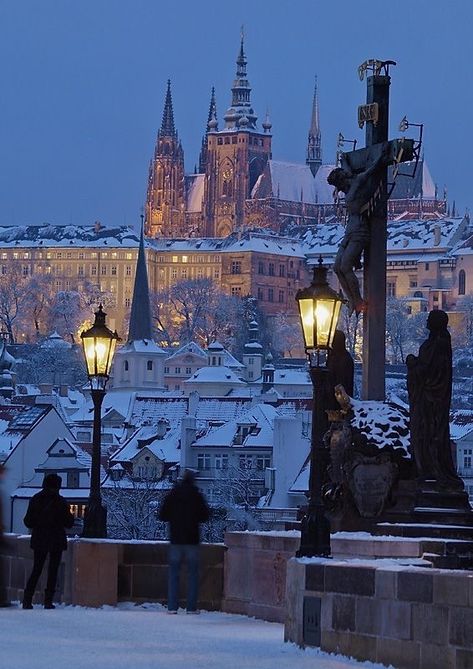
(83, 85)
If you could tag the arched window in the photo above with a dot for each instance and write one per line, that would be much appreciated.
(461, 282)
(418, 293)
(149, 365)
(125, 365)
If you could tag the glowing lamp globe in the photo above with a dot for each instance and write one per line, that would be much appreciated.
(99, 347)
(319, 309)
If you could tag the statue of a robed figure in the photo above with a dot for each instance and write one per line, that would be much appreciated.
(429, 384)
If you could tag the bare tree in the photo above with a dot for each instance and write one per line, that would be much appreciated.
(238, 490)
(131, 508)
(196, 310)
(352, 326)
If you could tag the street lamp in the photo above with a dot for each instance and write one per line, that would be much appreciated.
(99, 346)
(319, 309)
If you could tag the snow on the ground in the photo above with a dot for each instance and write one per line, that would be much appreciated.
(148, 637)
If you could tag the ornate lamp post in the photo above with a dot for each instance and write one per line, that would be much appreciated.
(99, 346)
(319, 308)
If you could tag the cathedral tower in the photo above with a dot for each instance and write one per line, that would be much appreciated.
(236, 156)
(314, 144)
(211, 125)
(165, 198)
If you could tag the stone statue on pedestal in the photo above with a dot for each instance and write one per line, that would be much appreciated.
(429, 384)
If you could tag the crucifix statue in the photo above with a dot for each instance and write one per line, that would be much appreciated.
(363, 178)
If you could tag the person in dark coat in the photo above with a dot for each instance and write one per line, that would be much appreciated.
(47, 516)
(184, 508)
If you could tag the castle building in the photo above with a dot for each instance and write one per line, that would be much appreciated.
(240, 186)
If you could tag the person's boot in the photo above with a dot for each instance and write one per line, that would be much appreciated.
(48, 600)
(27, 600)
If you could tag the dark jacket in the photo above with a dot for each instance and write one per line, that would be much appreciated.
(184, 508)
(47, 516)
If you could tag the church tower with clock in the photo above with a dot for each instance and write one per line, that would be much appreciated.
(235, 158)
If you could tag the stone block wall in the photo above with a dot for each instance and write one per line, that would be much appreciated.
(16, 559)
(410, 617)
(95, 572)
(255, 573)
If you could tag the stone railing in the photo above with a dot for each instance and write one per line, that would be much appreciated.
(410, 617)
(98, 572)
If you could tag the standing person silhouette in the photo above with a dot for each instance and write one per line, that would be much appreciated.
(47, 516)
(184, 508)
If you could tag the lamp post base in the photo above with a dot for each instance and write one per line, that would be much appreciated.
(315, 534)
(95, 521)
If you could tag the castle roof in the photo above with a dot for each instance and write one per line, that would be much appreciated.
(36, 236)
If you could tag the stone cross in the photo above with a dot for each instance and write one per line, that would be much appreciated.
(375, 114)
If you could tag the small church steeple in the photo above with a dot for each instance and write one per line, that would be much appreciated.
(140, 317)
(212, 125)
(139, 364)
(314, 144)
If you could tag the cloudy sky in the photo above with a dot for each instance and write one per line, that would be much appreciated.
(83, 83)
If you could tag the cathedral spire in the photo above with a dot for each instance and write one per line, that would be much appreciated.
(140, 318)
(212, 125)
(314, 144)
(167, 124)
(241, 112)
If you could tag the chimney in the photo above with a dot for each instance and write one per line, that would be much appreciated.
(97, 226)
(63, 390)
(437, 235)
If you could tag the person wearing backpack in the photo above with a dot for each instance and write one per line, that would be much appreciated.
(47, 516)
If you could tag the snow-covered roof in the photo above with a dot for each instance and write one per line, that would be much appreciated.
(425, 234)
(165, 448)
(195, 184)
(260, 416)
(190, 347)
(293, 182)
(461, 423)
(292, 376)
(215, 374)
(13, 236)
(146, 346)
(249, 241)
(55, 341)
(404, 237)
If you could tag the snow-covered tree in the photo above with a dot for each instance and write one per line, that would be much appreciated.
(196, 310)
(287, 339)
(13, 298)
(67, 313)
(132, 506)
